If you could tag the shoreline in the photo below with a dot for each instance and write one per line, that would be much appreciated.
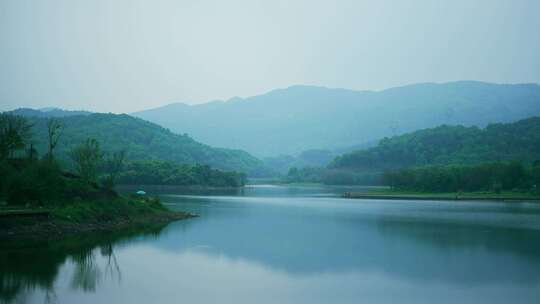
(167, 187)
(53, 229)
(440, 197)
(81, 217)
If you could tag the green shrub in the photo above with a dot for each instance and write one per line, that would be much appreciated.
(39, 182)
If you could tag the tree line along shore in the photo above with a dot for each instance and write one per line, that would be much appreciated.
(46, 196)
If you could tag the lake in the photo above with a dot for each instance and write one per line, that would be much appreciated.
(272, 244)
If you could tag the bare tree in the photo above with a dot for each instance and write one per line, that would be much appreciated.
(54, 131)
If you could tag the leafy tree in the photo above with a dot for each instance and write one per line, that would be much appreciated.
(87, 158)
(535, 178)
(38, 182)
(113, 165)
(293, 175)
(168, 173)
(15, 133)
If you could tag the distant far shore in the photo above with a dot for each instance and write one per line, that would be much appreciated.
(131, 187)
(466, 196)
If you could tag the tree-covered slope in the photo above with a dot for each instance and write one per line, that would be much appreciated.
(142, 140)
(519, 141)
(310, 158)
(47, 112)
(300, 118)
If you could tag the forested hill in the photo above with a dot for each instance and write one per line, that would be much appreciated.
(142, 140)
(47, 112)
(300, 118)
(450, 145)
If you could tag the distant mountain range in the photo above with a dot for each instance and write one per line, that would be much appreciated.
(300, 118)
(141, 139)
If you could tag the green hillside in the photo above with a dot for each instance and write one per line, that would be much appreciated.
(519, 141)
(300, 118)
(143, 140)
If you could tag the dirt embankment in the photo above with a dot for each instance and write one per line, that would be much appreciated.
(50, 228)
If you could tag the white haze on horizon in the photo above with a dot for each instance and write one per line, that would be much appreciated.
(125, 56)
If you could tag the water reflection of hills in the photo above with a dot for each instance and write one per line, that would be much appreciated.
(418, 249)
(301, 241)
(35, 265)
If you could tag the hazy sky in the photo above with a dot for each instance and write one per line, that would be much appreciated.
(123, 56)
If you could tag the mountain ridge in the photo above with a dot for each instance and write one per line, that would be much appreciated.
(238, 98)
(299, 118)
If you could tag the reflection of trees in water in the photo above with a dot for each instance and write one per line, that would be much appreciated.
(415, 249)
(29, 266)
(112, 268)
(26, 269)
(87, 272)
(9, 289)
(50, 296)
(463, 253)
(449, 236)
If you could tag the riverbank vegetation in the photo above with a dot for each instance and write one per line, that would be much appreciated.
(168, 173)
(79, 197)
(395, 194)
(493, 177)
(500, 157)
(84, 216)
(89, 172)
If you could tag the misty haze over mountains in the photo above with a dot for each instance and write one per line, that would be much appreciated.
(305, 152)
(299, 118)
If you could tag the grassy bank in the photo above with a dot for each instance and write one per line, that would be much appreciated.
(464, 196)
(84, 217)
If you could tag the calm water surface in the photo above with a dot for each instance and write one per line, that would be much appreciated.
(267, 244)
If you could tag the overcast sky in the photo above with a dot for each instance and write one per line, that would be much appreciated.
(123, 56)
